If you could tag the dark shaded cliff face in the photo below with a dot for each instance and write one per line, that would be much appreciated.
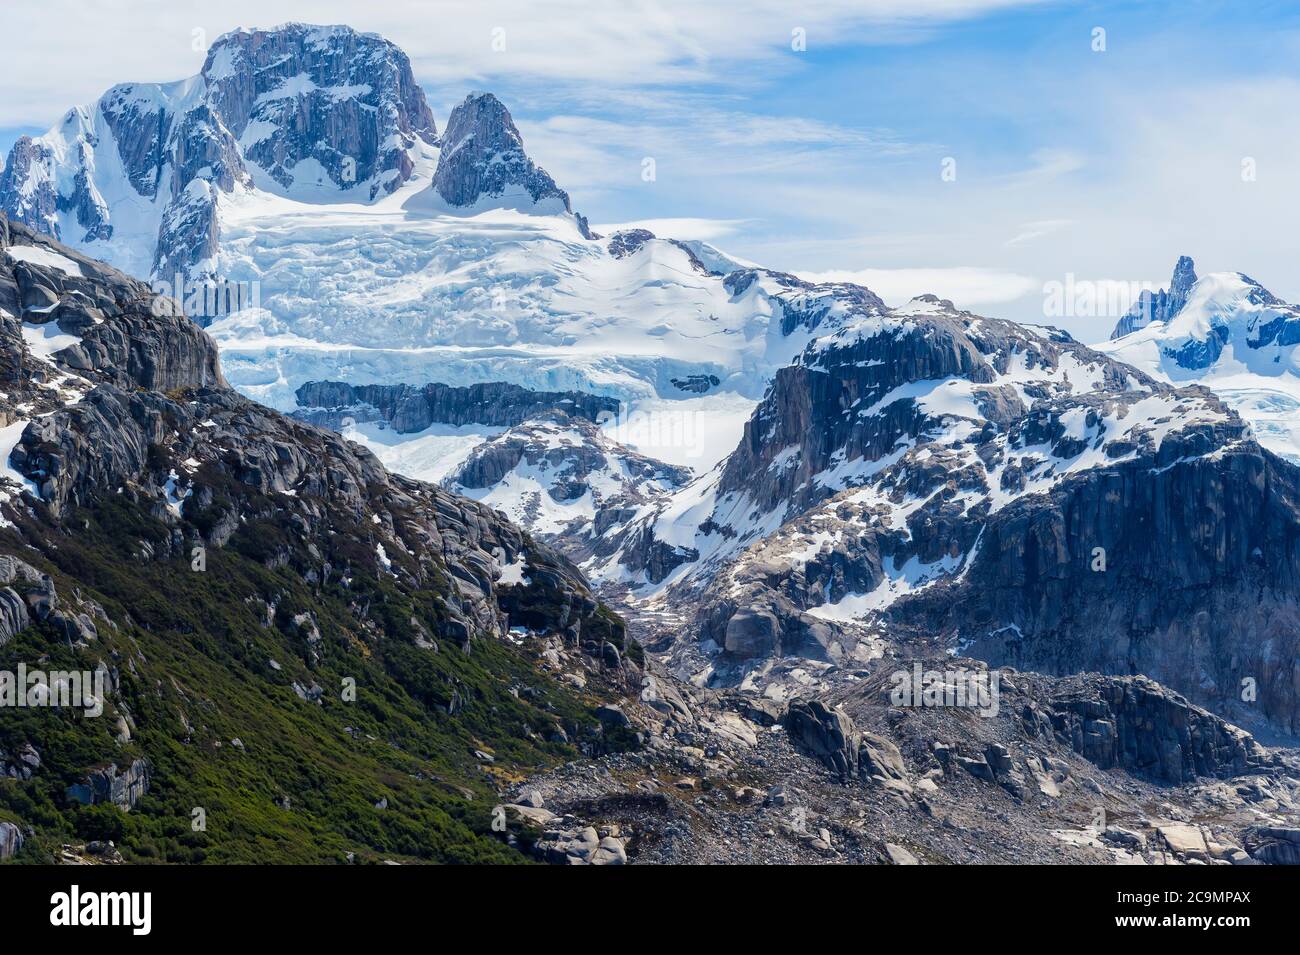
(231, 568)
(483, 158)
(409, 409)
(1182, 568)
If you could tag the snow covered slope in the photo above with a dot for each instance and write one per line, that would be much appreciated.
(302, 167)
(1231, 334)
(558, 474)
(418, 293)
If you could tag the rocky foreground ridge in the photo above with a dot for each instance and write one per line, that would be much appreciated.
(260, 597)
(1082, 769)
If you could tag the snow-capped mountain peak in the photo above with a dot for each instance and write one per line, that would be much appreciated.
(344, 103)
(483, 163)
(320, 113)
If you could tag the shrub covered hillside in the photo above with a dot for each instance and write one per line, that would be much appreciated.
(303, 658)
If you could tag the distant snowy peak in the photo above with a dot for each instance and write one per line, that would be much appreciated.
(1162, 305)
(1236, 337)
(298, 110)
(483, 163)
(1224, 321)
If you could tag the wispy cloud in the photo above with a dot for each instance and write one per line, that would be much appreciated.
(602, 45)
(704, 230)
(1029, 231)
(967, 287)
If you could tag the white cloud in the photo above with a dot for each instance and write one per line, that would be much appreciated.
(93, 45)
(1029, 231)
(686, 229)
(967, 286)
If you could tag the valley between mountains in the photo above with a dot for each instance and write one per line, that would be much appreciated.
(477, 535)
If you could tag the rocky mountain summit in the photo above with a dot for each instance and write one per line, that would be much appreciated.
(1226, 331)
(294, 109)
(1162, 305)
(309, 113)
(320, 134)
(483, 158)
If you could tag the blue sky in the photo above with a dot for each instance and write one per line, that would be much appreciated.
(827, 161)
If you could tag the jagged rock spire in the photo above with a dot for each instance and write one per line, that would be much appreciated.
(1160, 306)
(483, 158)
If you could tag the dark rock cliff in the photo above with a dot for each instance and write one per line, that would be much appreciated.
(409, 409)
(483, 158)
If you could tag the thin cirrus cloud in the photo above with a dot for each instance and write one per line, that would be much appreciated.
(459, 41)
(685, 228)
(967, 286)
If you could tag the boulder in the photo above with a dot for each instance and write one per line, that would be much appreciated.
(828, 735)
(900, 856)
(752, 633)
(1184, 840)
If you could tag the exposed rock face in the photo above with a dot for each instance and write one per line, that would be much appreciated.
(831, 736)
(408, 409)
(167, 352)
(11, 840)
(555, 472)
(13, 615)
(699, 384)
(122, 788)
(627, 242)
(827, 734)
(1150, 730)
(300, 108)
(1275, 845)
(1200, 549)
(926, 471)
(27, 190)
(483, 158)
(856, 776)
(13, 609)
(344, 99)
(1162, 305)
(209, 461)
